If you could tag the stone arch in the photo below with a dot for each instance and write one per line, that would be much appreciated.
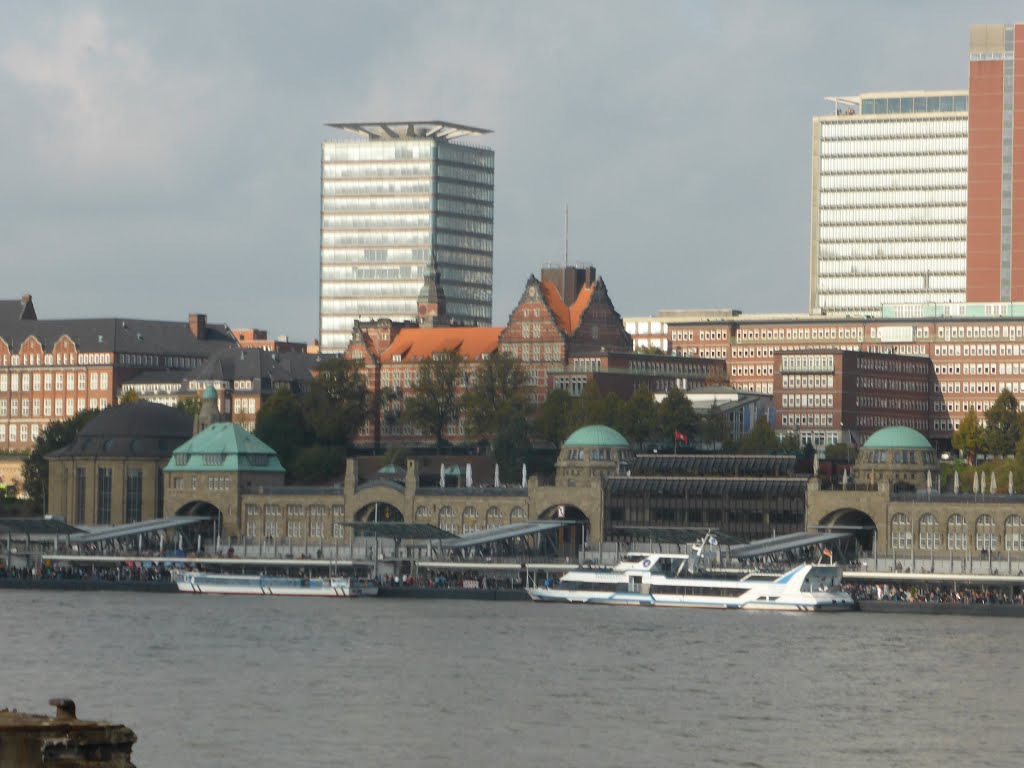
(210, 530)
(860, 523)
(378, 511)
(379, 492)
(570, 538)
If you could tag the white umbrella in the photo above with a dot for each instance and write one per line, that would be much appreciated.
(817, 464)
(524, 474)
(992, 483)
(956, 481)
(1009, 483)
(976, 482)
(929, 482)
(469, 475)
(497, 475)
(442, 474)
(846, 478)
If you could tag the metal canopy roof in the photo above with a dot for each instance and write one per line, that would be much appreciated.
(134, 529)
(782, 543)
(733, 487)
(400, 530)
(668, 535)
(411, 129)
(504, 532)
(35, 525)
(703, 465)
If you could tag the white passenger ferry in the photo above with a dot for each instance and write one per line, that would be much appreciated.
(199, 582)
(681, 580)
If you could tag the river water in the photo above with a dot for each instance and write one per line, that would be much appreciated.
(235, 681)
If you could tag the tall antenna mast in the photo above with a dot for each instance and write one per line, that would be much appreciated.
(566, 234)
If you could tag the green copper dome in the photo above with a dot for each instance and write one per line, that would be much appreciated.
(897, 437)
(224, 447)
(598, 436)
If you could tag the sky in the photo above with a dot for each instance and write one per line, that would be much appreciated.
(164, 158)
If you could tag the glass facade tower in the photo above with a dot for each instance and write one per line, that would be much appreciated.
(391, 200)
(889, 202)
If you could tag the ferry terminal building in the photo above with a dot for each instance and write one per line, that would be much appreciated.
(136, 464)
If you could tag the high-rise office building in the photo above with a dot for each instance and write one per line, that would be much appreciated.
(394, 197)
(995, 179)
(889, 202)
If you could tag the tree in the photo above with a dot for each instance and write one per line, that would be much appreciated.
(676, 414)
(1002, 425)
(316, 464)
(280, 424)
(129, 396)
(434, 404)
(714, 426)
(499, 394)
(968, 438)
(640, 417)
(190, 405)
(56, 435)
(554, 420)
(511, 449)
(338, 401)
(760, 439)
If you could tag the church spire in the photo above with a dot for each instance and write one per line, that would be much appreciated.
(430, 305)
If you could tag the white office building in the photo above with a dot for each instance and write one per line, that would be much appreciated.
(889, 202)
(394, 196)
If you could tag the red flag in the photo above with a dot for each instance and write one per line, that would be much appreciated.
(681, 438)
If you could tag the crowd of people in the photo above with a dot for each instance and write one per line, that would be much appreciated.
(933, 594)
(127, 571)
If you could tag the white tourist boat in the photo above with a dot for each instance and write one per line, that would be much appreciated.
(202, 583)
(682, 580)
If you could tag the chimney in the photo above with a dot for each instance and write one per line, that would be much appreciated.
(197, 324)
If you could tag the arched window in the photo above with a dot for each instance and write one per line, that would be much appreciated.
(1014, 534)
(901, 531)
(422, 514)
(447, 519)
(956, 533)
(469, 523)
(518, 514)
(493, 517)
(928, 532)
(985, 534)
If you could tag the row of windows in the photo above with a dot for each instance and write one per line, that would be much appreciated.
(869, 302)
(808, 420)
(918, 198)
(911, 145)
(45, 408)
(374, 170)
(891, 384)
(931, 268)
(808, 382)
(894, 215)
(923, 282)
(879, 232)
(869, 252)
(47, 381)
(807, 401)
(460, 153)
(894, 163)
(957, 532)
(853, 129)
(472, 175)
(890, 403)
(374, 187)
(376, 221)
(406, 237)
(332, 151)
(19, 433)
(30, 359)
(921, 179)
(366, 204)
(471, 226)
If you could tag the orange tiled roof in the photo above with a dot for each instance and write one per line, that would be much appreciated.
(568, 318)
(416, 344)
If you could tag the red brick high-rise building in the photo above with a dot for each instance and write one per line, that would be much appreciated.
(995, 165)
